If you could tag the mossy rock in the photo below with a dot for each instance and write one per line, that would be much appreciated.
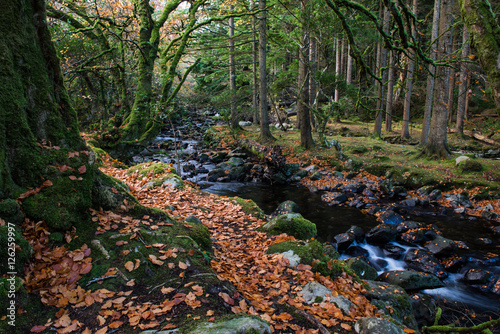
(109, 193)
(308, 252)
(362, 269)
(292, 224)
(240, 324)
(359, 150)
(470, 166)
(151, 169)
(249, 207)
(284, 208)
(14, 247)
(170, 179)
(10, 211)
(201, 235)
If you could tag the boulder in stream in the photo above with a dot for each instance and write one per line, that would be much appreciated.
(440, 246)
(411, 280)
(284, 208)
(381, 234)
(422, 260)
(292, 224)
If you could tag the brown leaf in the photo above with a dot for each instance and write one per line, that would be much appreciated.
(47, 183)
(154, 260)
(101, 320)
(72, 177)
(82, 169)
(103, 330)
(37, 329)
(226, 298)
(129, 265)
(182, 265)
(345, 326)
(115, 324)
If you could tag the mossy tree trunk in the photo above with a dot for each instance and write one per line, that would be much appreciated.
(38, 126)
(485, 39)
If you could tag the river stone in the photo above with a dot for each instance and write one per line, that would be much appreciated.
(440, 246)
(334, 198)
(355, 187)
(422, 260)
(361, 268)
(399, 191)
(344, 240)
(292, 224)
(411, 280)
(393, 301)
(170, 180)
(236, 161)
(393, 251)
(314, 292)
(390, 217)
(240, 325)
(408, 225)
(489, 215)
(237, 173)
(435, 195)
(292, 258)
(285, 207)
(424, 309)
(461, 159)
(290, 169)
(478, 276)
(381, 234)
(218, 157)
(460, 200)
(374, 325)
(316, 176)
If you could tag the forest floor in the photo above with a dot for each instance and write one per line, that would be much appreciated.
(264, 285)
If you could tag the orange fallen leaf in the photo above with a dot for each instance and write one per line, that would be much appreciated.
(345, 326)
(103, 330)
(115, 324)
(408, 330)
(37, 329)
(129, 265)
(182, 265)
(154, 260)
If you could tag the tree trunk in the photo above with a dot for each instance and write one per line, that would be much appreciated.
(485, 39)
(451, 78)
(255, 84)
(405, 129)
(38, 126)
(232, 73)
(430, 78)
(390, 92)
(303, 111)
(437, 142)
(382, 63)
(265, 132)
(348, 78)
(462, 89)
(313, 61)
(337, 68)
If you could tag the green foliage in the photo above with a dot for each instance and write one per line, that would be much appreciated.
(470, 166)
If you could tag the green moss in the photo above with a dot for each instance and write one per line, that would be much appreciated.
(10, 211)
(249, 207)
(201, 235)
(292, 224)
(150, 169)
(470, 166)
(171, 179)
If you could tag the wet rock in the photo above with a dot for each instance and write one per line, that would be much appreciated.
(334, 198)
(292, 224)
(460, 200)
(454, 263)
(368, 193)
(188, 168)
(393, 251)
(422, 260)
(408, 225)
(399, 191)
(418, 236)
(237, 173)
(338, 175)
(355, 187)
(425, 190)
(489, 215)
(357, 231)
(313, 292)
(290, 169)
(311, 168)
(202, 158)
(236, 161)
(351, 175)
(410, 202)
(440, 246)
(488, 259)
(284, 208)
(374, 325)
(244, 123)
(381, 234)
(411, 280)
(316, 176)
(435, 195)
(344, 240)
(218, 157)
(356, 251)
(357, 203)
(362, 269)
(301, 173)
(393, 301)
(386, 187)
(424, 309)
(477, 277)
(390, 217)
(279, 178)
(241, 325)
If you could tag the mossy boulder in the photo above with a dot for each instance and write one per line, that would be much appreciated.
(470, 166)
(292, 224)
(151, 169)
(10, 211)
(16, 251)
(249, 207)
(244, 324)
(285, 207)
(308, 252)
(362, 269)
(411, 280)
(110, 193)
(170, 179)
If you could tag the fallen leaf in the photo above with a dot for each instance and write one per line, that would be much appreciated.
(82, 169)
(115, 324)
(37, 329)
(103, 330)
(129, 265)
(345, 326)
(154, 260)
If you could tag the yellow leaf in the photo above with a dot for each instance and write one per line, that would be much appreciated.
(129, 265)
(472, 56)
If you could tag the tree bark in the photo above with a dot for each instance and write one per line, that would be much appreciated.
(303, 111)
(337, 68)
(451, 78)
(437, 142)
(390, 93)
(430, 78)
(255, 84)
(232, 73)
(462, 89)
(265, 132)
(382, 63)
(405, 129)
